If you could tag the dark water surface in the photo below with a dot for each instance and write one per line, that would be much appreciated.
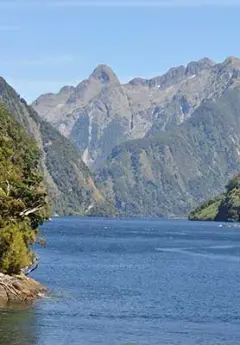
(133, 282)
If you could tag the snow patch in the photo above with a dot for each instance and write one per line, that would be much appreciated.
(85, 155)
(192, 76)
(90, 207)
(238, 152)
(90, 128)
(189, 78)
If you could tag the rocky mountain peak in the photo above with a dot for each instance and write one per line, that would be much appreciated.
(105, 75)
(196, 67)
(101, 113)
(67, 89)
(89, 88)
(173, 75)
(138, 81)
(232, 61)
(206, 62)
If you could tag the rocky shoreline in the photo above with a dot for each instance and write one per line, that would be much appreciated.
(19, 289)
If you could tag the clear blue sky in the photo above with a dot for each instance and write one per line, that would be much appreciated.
(50, 43)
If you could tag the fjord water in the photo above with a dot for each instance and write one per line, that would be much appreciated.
(146, 282)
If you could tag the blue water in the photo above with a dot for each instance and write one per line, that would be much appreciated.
(119, 282)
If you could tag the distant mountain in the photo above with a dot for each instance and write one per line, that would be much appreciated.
(168, 173)
(224, 207)
(100, 113)
(69, 181)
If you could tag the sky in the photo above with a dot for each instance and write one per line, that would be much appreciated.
(51, 43)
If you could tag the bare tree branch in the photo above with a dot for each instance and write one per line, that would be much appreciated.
(26, 213)
(8, 187)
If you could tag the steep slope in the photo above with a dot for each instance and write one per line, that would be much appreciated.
(225, 207)
(208, 210)
(170, 172)
(69, 181)
(100, 113)
(23, 201)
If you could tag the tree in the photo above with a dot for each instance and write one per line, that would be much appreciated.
(23, 199)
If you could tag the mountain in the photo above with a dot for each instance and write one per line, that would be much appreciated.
(224, 207)
(101, 113)
(69, 181)
(168, 173)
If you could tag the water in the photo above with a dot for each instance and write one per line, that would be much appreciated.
(133, 282)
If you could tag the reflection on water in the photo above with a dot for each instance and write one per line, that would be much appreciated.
(17, 327)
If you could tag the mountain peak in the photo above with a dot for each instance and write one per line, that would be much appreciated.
(233, 61)
(138, 81)
(104, 74)
(195, 67)
(66, 89)
(206, 62)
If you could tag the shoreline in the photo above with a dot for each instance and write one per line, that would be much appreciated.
(19, 289)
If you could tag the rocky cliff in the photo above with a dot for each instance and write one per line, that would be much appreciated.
(100, 112)
(168, 173)
(19, 289)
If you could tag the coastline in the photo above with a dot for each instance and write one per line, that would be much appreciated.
(19, 289)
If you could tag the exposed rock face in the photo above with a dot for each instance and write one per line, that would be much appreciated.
(19, 289)
(100, 113)
(170, 172)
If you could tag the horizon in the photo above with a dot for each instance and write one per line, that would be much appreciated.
(49, 44)
(127, 81)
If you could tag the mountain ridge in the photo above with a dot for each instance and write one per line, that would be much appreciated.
(169, 173)
(69, 181)
(101, 113)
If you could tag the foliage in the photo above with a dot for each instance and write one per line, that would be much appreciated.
(65, 174)
(234, 183)
(23, 202)
(207, 211)
(225, 207)
(229, 209)
(71, 175)
(14, 252)
(102, 210)
(68, 172)
(169, 173)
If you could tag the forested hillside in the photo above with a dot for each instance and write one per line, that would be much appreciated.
(69, 182)
(224, 208)
(169, 173)
(23, 198)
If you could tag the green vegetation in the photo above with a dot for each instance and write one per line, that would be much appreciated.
(23, 199)
(225, 208)
(68, 180)
(104, 209)
(68, 172)
(229, 209)
(208, 210)
(169, 173)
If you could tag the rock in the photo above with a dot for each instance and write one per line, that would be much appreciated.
(101, 113)
(19, 289)
(3, 294)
